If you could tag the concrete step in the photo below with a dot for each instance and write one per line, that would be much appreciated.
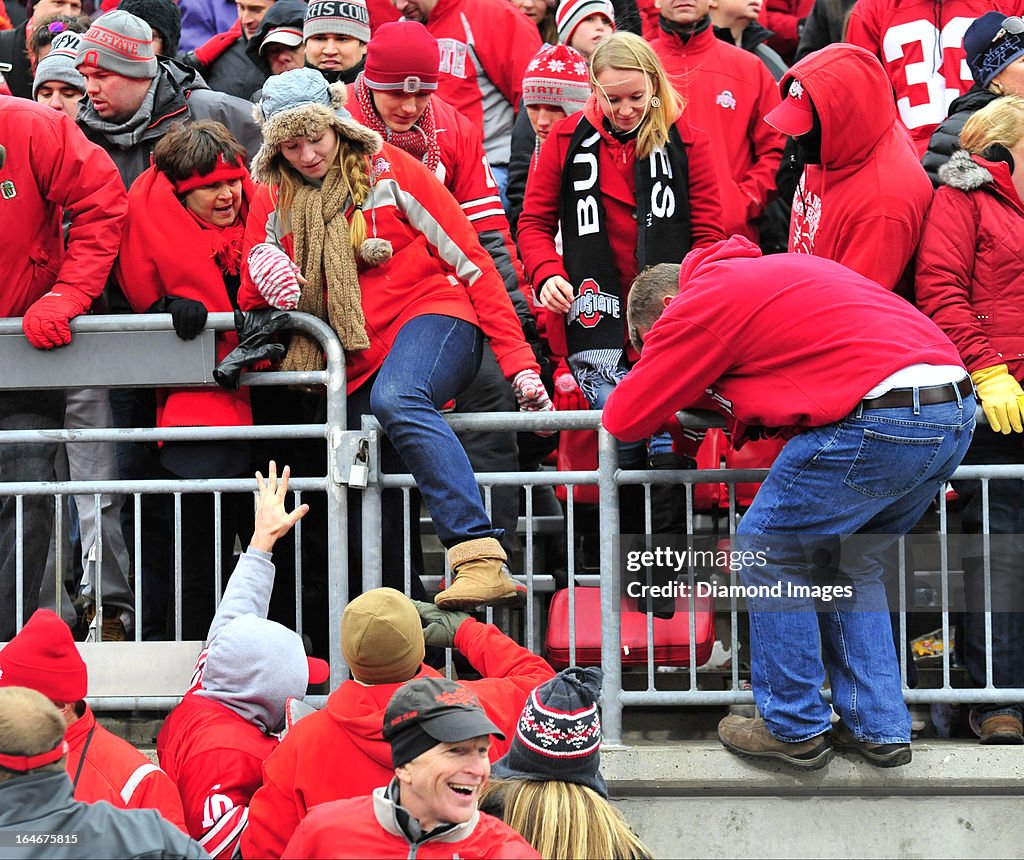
(956, 799)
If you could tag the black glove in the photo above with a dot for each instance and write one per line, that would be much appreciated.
(255, 329)
(187, 315)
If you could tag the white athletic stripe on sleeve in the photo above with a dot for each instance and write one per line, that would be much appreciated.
(141, 772)
(235, 822)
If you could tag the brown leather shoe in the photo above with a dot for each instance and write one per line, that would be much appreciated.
(1002, 729)
(750, 737)
(880, 755)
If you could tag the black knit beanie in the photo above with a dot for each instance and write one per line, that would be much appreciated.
(558, 737)
(163, 16)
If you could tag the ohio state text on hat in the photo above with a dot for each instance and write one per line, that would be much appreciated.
(119, 42)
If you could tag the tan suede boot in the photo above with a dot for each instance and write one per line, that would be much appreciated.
(479, 577)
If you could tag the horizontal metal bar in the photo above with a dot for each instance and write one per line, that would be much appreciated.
(168, 434)
(191, 485)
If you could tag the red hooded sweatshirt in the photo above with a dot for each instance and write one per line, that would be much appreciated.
(780, 341)
(864, 205)
(339, 752)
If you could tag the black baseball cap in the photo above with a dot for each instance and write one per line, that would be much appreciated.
(427, 711)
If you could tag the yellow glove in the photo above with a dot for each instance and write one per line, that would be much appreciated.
(1001, 398)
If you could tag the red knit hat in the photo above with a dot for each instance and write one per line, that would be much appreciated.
(402, 57)
(43, 657)
(557, 75)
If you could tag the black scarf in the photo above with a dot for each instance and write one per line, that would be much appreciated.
(596, 319)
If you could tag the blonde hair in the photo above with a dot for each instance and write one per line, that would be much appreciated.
(566, 821)
(1000, 121)
(627, 52)
(30, 724)
(354, 173)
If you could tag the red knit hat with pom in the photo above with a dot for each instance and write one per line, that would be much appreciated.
(43, 657)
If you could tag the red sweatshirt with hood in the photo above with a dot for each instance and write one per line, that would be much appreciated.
(864, 205)
(920, 43)
(339, 752)
(783, 341)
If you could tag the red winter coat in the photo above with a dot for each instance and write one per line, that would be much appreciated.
(970, 266)
(114, 771)
(783, 341)
(365, 827)
(339, 752)
(51, 167)
(864, 205)
(438, 266)
(727, 92)
(486, 46)
(907, 36)
(215, 757)
(538, 223)
(164, 253)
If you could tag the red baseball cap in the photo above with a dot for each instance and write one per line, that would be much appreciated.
(794, 115)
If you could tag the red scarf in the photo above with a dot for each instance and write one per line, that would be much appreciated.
(420, 141)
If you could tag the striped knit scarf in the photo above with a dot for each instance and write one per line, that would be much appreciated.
(322, 247)
(420, 141)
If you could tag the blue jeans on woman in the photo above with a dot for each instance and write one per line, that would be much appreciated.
(433, 359)
(873, 473)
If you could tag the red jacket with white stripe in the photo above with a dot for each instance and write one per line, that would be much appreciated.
(215, 757)
(464, 171)
(104, 767)
(438, 266)
(486, 46)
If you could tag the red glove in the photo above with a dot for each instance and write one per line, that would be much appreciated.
(568, 394)
(46, 322)
(532, 395)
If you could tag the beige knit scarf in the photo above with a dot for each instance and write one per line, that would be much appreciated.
(322, 247)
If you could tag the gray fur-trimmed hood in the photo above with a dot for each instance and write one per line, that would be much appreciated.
(964, 173)
(299, 103)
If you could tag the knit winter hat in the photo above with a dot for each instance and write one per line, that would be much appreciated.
(43, 657)
(163, 16)
(59, 64)
(559, 733)
(299, 103)
(121, 43)
(344, 17)
(991, 43)
(557, 75)
(402, 56)
(571, 12)
(382, 637)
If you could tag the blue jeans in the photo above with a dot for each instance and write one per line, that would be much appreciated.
(873, 473)
(432, 360)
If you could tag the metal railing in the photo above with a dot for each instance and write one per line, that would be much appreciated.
(347, 447)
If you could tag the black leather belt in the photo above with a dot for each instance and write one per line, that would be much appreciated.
(898, 398)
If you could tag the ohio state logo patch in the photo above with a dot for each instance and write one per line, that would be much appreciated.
(725, 99)
(590, 306)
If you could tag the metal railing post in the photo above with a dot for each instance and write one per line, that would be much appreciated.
(611, 658)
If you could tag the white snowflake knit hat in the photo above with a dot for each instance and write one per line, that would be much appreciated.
(557, 75)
